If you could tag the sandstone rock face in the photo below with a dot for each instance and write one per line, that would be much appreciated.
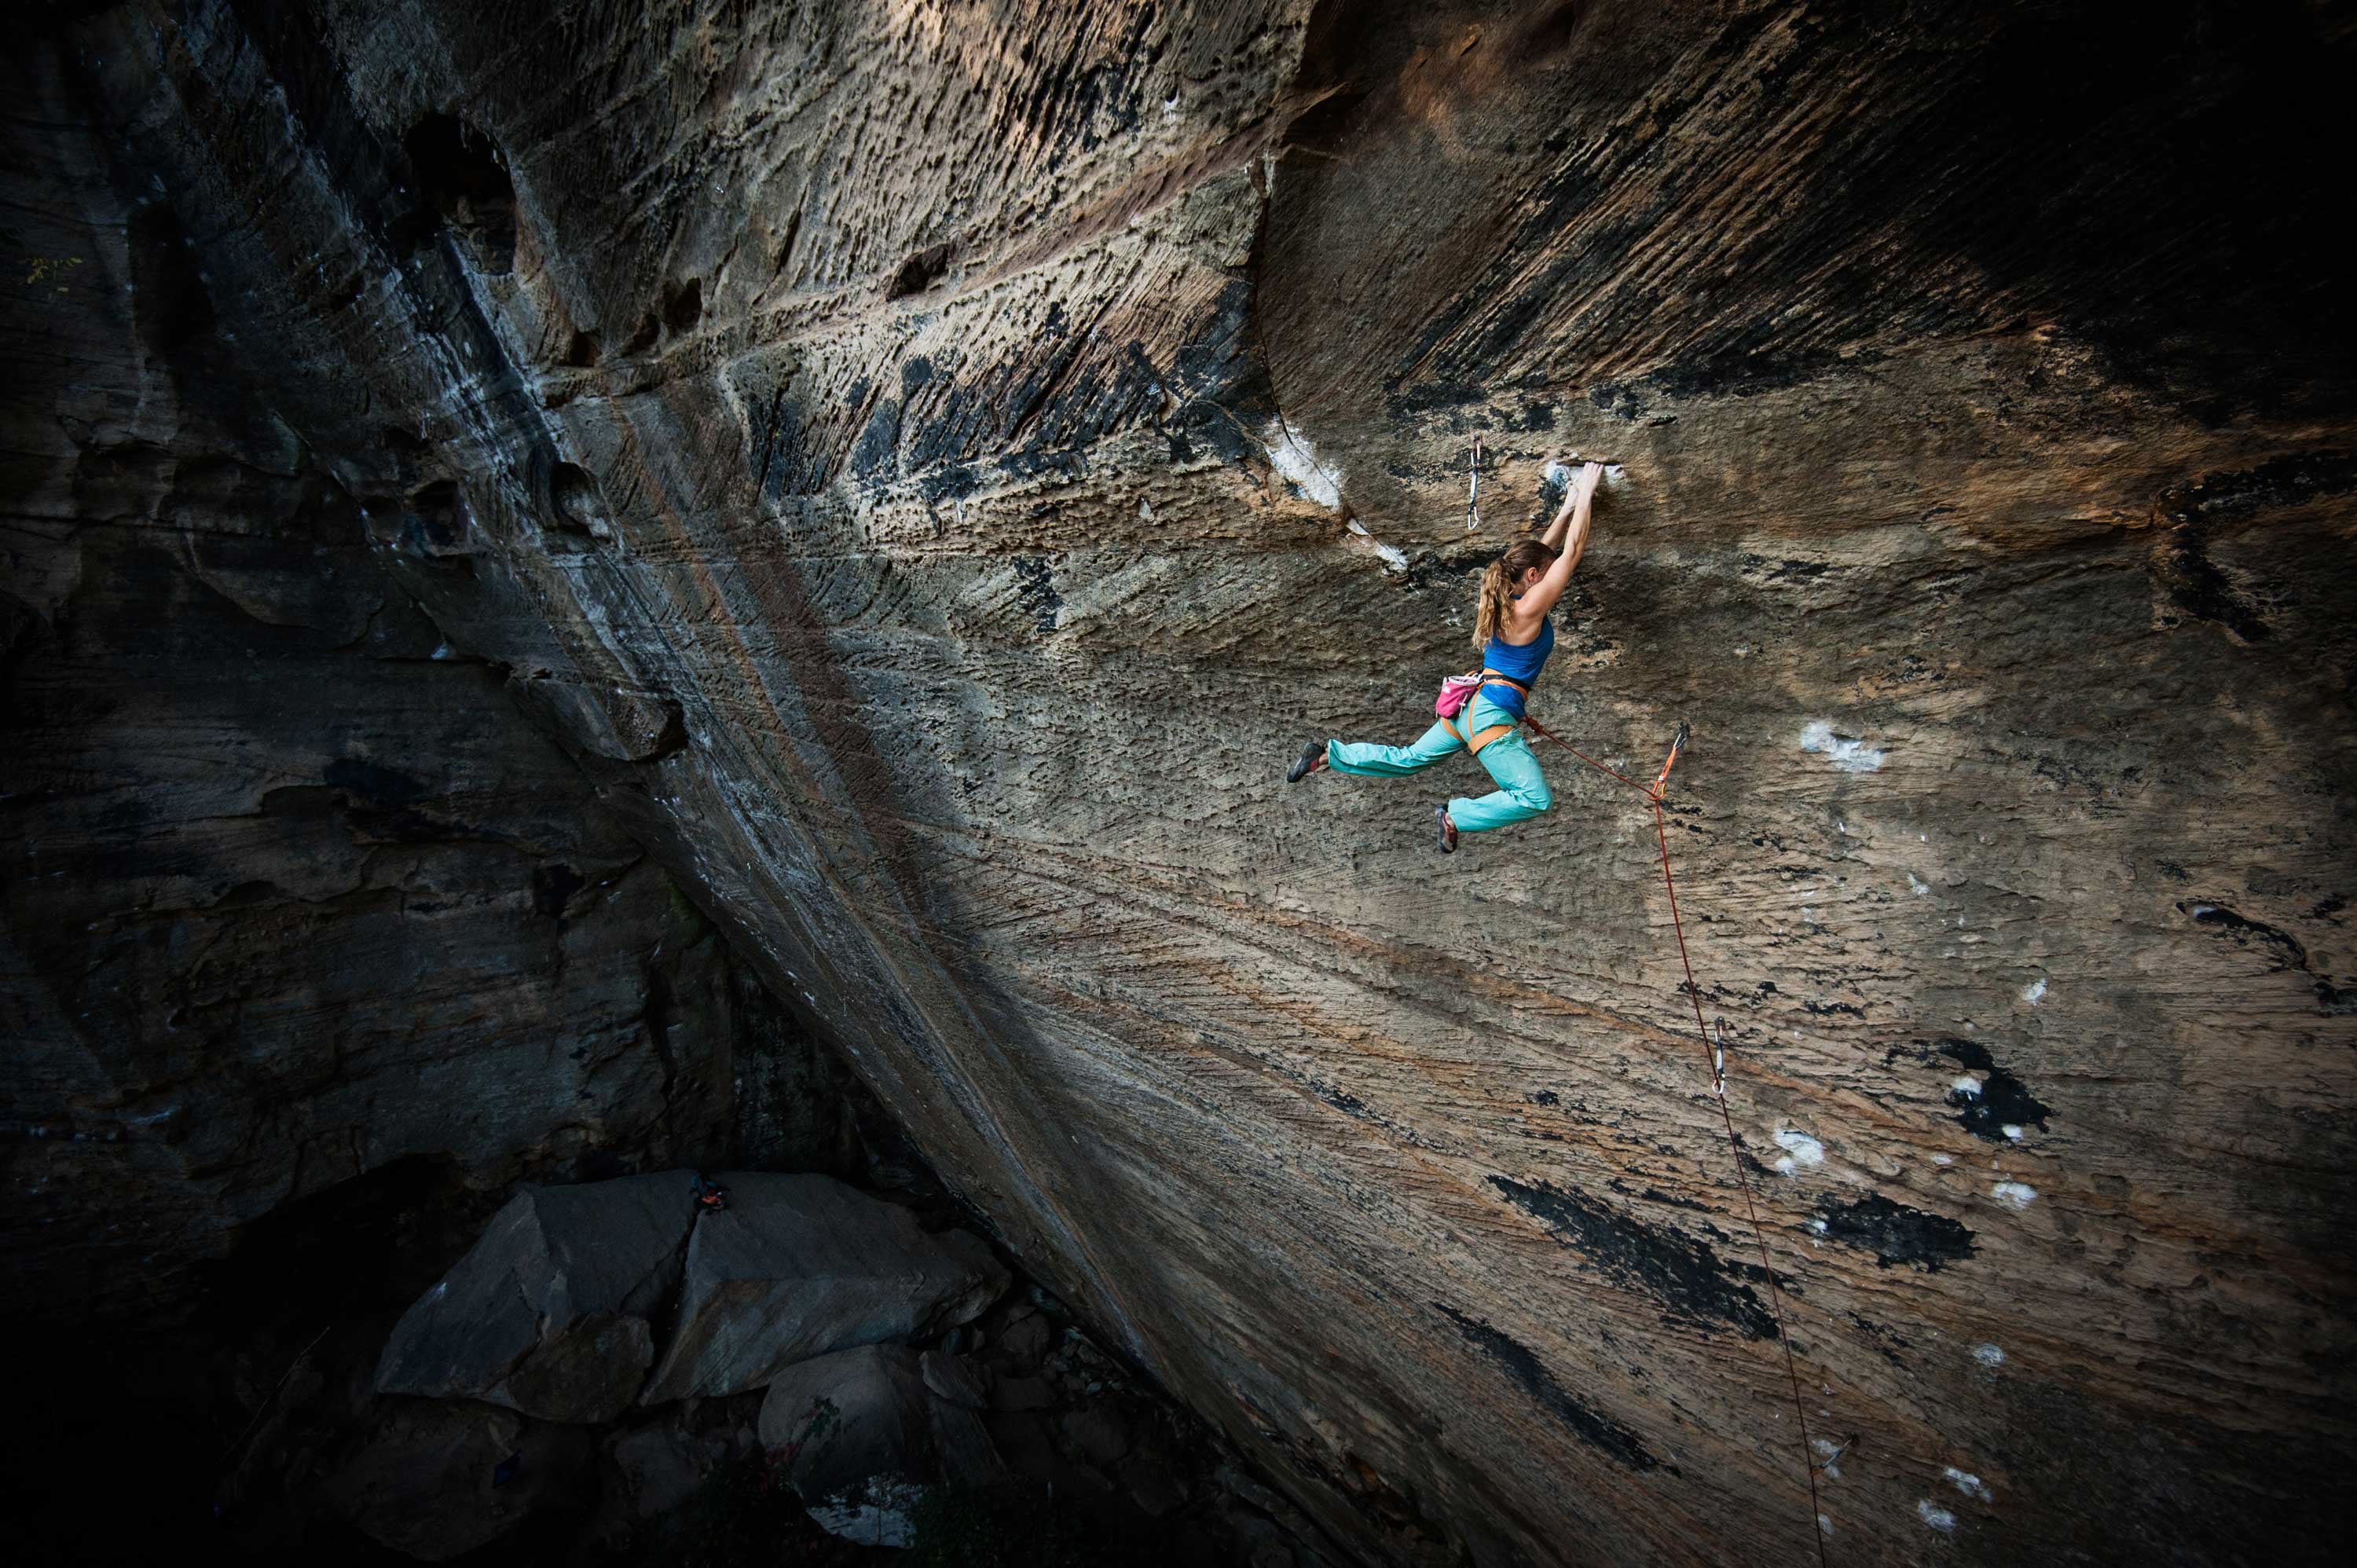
(927, 465)
(549, 1313)
(798, 1266)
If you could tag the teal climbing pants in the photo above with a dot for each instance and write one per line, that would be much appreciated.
(1522, 791)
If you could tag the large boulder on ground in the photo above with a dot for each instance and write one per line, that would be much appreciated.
(801, 1265)
(837, 1419)
(862, 1435)
(549, 1314)
(652, 1470)
(657, 1467)
(436, 1482)
(960, 1380)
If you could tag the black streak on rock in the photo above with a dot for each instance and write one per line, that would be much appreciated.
(1037, 588)
(2004, 1099)
(872, 457)
(1676, 1269)
(2289, 951)
(1895, 1233)
(1348, 1103)
(1521, 1364)
(2195, 588)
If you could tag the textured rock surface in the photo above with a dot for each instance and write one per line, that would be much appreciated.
(902, 454)
(865, 1424)
(798, 1266)
(549, 1313)
(428, 1482)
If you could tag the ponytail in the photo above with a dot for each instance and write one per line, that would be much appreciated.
(1497, 602)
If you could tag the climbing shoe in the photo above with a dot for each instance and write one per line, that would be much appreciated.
(1447, 830)
(1311, 755)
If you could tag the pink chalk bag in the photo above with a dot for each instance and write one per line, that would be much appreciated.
(1458, 690)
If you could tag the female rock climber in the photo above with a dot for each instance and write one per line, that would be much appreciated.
(1514, 635)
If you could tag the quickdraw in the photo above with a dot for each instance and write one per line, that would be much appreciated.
(1473, 488)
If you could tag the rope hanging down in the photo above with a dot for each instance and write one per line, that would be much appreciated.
(1715, 1056)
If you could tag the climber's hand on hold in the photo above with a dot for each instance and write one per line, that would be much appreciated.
(1578, 499)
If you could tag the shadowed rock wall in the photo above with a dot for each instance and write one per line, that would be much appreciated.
(293, 892)
(930, 464)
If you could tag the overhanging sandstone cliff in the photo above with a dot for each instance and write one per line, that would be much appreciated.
(927, 463)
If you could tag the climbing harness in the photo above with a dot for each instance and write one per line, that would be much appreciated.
(1482, 737)
(1714, 1054)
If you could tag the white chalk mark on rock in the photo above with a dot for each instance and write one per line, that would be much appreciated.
(1394, 558)
(2034, 991)
(1844, 752)
(1293, 459)
(1970, 1485)
(1988, 1356)
(1801, 1151)
(1935, 1516)
(2014, 1194)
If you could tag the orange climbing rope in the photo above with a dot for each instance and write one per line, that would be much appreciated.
(1716, 1057)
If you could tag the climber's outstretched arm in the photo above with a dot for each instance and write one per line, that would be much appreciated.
(1553, 537)
(1567, 534)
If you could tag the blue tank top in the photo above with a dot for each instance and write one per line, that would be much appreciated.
(1523, 663)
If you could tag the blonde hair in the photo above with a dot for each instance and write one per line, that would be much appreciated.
(1498, 585)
